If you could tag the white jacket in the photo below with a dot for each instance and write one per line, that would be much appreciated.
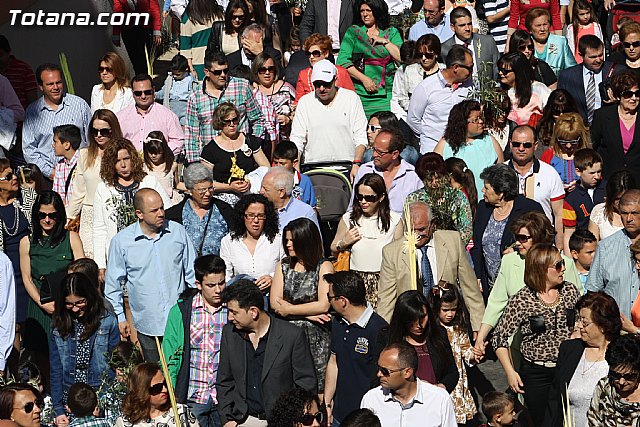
(123, 99)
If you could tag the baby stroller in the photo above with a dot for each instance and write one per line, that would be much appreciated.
(333, 193)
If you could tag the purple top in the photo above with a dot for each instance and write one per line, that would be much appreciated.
(425, 368)
(627, 135)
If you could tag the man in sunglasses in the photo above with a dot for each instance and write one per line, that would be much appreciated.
(252, 45)
(404, 400)
(53, 108)
(146, 115)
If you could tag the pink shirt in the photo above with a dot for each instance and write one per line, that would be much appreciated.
(136, 126)
(627, 135)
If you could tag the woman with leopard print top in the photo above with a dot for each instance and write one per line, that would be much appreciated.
(544, 313)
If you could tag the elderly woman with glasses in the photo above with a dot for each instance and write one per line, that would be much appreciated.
(544, 313)
(318, 47)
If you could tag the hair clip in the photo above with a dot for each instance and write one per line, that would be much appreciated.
(147, 140)
(465, 169)
(440, 288)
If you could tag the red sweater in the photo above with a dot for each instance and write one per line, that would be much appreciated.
(152, 7)
(518, 13)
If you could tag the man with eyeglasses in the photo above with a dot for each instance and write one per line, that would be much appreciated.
(613, 267)
(252, 45)
(146, 115)
(404, 400)
(538, 180)
(216, 88)
(435, 21)
(191, 343)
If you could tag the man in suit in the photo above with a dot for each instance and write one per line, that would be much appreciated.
(441, 256)
(260, 358)
(252, 45)
(485, 51)
(583, 80)
(316, 19)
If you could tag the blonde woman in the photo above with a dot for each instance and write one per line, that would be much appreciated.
(114, 93)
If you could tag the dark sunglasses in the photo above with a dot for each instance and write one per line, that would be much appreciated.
(558, 266)
(238, 17)
(569, 141)
(232, 121)
(314, 53)
(427, 55)
(627, 45)
(522, 238)
(526, 145)
(469, 68)
(307, 419)
(386, 371)
(627, 94)
(504, 71)
(101, 132)
(156, 389)
(28, 407)
(9, 177)
(263, 70)
(616, 376)
(320, 83)
(525, 47)
(367, 197)
(51, 215)
(220, 71)
(146, 92)
(101, 69)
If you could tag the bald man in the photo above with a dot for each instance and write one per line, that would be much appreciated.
(154, 259)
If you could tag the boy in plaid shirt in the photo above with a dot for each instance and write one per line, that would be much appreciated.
(66, 142)
(82, 402)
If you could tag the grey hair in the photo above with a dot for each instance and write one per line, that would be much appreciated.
(503, 179)
(282, 179)
(419, 204)
(253, 28)
(196, 173)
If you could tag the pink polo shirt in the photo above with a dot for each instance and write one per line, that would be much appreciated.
(136, 126)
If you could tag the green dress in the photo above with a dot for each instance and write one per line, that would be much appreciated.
(46, 260)
(378, 65)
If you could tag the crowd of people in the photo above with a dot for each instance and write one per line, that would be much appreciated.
(166, 259)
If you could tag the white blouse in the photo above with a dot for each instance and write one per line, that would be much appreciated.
(123, 99)
(85, 183)
(366, 253)
(239, 260)
(599, 218)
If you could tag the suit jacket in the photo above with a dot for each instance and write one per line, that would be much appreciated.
(235, 59)
(314, 18)
(487, 63)
(452, 265)
(607, 140)
(572, 81)
(287, 364)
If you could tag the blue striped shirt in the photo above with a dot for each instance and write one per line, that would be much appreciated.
(613, 271)
(498, 29)
(39, 121)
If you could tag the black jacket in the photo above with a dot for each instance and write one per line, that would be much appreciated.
(217, 29)
(444, 365)
(174, 213)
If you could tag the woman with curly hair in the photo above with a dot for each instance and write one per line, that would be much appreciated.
(147, 404)
(253, 245)
(297, 408)
(466, 138)
(122, 176)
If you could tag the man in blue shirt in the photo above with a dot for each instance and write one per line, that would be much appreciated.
(154, 259)
(435, 21)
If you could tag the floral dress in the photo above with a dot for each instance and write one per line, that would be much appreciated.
(187, 419)
(463, 403)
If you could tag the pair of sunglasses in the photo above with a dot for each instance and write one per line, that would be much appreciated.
(232, 121)
(558, 266)
(220, 71)
(101, 132)
(386, 371)
(51, 215)
(102, 69)
(427, 55)
(616, 376)
(156, 389)
(314, 53)
(263, 70)
(28, 407)
(628, 45)
(367, 197)
(627, 94)
(308, 419)
(522, 238)
(526, 145)
(146, 92)
(569, 141)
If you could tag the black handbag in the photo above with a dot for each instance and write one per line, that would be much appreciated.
(51, 284)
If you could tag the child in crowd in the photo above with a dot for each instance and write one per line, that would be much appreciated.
(589, 191)
(82, 403)
(30, 176)
(66, 142)
(446, 302)
(286, 155)
(160, 162)
(499, 409)
(582, 245)
(462, 178)
(177, 88)
(615, 38)
(583, 22)
(294, 44)
(124, 357)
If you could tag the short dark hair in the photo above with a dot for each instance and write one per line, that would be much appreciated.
(362, 417)
(456, 55)
(85, 266)
(286, 150)
(624, 351)
(586, 158)
(208, 264)
(503, 179)
(579, 238)
(459, 12)
(69, 133)
(82, 400)
(245, 292)
(348, 284)
(179, 63)
(589, 41)
(494, 403)
(48, 66)
(4, 44)
(142, 77)
(407, 356)
(604, 312)
(214, 57)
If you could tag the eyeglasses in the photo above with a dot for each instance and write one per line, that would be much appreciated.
(569, 141)
(627, 94)
(101, 132)
(103, 69)
(231, 121)
(516, 144)
(380, 152)
(522, 238)
(627, 45)
(583, 322)
(238, 17)
(427, 55)
(252, 217)
(146, 92)
(307, 419)
(367, 197)
(386, 371)
(616, 376)
(28, 407)
(476, 121)
(263, 70)
(525, 47)
(80, 303)
(558, 266)
(330, 297)
(373, 128)
(315, 53)
(318, 84)
(219, 72)
(203, 191)
(504, 71)
(157, 388)
(53, 216)
(469, 68)
(9, 177)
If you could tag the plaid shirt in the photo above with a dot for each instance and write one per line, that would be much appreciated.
(199, 129)
(270, 115)
(89, 421)
(63, 169)
(205, 333)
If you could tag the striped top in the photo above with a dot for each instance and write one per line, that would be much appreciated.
(22, 79)
(498, 29)
(193, 43)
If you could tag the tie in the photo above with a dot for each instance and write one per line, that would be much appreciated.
(427, 273)
(591, 97)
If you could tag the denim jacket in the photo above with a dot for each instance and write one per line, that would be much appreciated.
(62, 356)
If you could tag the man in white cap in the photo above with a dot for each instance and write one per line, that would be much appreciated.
(330, 124)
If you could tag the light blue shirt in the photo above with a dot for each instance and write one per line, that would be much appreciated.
(296, 209)
(442, 30)
(155, 271)
(613, 271)
(39, 121)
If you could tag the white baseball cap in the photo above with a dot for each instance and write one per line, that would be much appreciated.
(324, 71)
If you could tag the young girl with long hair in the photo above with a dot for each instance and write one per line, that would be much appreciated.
(462, 178)
(159, 161)
(583, 22)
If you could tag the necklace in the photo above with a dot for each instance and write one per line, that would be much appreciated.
(16, 222)
(550, 305)
(586, 369)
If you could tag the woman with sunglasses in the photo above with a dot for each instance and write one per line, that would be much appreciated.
(114, 93)
(50, 250)
(318, 47)
(84, 334)
(605, 218)
(104, 127)
(615, 130)
(366, 230)
(225, 35)
(297, 408)
(616, 398)
(544, 313)
(521, 41)
(630, 55)
(147, 403)
(369, 51)
(560, 101)
(22, 404)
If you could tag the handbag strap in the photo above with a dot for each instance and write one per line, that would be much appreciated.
(206, 227)
(68, 181)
